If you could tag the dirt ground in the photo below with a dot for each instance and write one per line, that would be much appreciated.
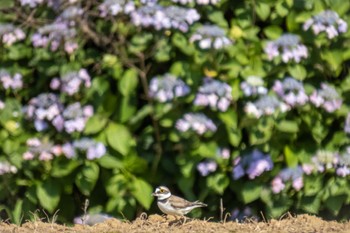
(159, 224)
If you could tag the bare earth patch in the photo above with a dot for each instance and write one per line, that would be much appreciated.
(159, 224)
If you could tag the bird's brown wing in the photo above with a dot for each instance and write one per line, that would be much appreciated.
(178, 202)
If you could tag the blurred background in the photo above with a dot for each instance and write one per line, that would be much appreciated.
(242, 104)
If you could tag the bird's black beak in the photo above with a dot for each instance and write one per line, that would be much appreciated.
(154, 194)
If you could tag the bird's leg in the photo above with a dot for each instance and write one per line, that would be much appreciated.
(184, 220)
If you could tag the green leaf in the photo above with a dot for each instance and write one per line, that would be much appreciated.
(334, 59)
(119, 138)
(310, 204)
(17, 213)
(6, 4)
(110, 162)
(250, 192)
(181, 42)
(128, 82)
(62, 167)
(334, 203)
(218, 18)
(282, 9)
(48, 193)
(87, 178)
(288, 126)
(291, 157)
(313, 185)
(142, 191)
(95, 124)
(263, 10)
(297, 71)
(273, 32)
(218, 182)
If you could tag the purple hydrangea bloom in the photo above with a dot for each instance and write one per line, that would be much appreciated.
(115, 7)
(253, 165)
(159, 17)
(265, 105)
(291, 91)
(42, 149)
(75, 117)
(196, 122)
(71, 82)
(323, 160)
(10, 34)
(93, 149)
(210, 36)
(253, 85)
(7, 168)
(326, 21)
(31, 3)
(295, 175)
(343, 168)
(327, 98)
(199, 2)
(206, 167)
(11, 82)
(223, 153)
(214, 93)
(288, 46)
(167, 87)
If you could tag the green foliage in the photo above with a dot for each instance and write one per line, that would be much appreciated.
(145, 146)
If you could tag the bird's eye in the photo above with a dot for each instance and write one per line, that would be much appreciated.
(162, 190)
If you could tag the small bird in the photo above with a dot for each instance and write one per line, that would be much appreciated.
(173, 205)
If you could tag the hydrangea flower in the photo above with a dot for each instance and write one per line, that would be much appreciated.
(10, 34)
(327, 98)
(324, 160)
(291, 91)
(253, 85)
(93, 149)
(10, 82)
(223, 153)
(207, 167)
(74, 118)
(115, 7)
(214, 93)
(210, 36)
(167, 87)
(265, 105)
(42, 109)
(54, 35)
(295, 175)
(252, 164)
(6, 168)
(343, 168)
(31, 3)
(347, 124)
(197, 122)
(326, 21)
(71, 82)
(241, 215)
(43, 150)
(288, 47)
(199, 2)
(159, 17)
(70, 14)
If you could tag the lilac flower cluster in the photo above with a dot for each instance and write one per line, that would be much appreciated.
(197, 122)
(265, 105)
(208, 166)
(253, 165)
(10, 34)
(347, 124)
(253, 85)
(74, 118)
(167, 87)
(199, 2)
(327, 98)
(71, 82)
(327, 21)
(291, 91)
(241, 215)
(343, 168)
(288, 46)
(214, 93)
(47, 108)
(43, 108)
(6, 168)
(60, 31)
(31, 3)
(46, 151)
(15, 82)
(295, 175)
(115, 7)
(210, 36)
(159, 17)
(43, 150)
